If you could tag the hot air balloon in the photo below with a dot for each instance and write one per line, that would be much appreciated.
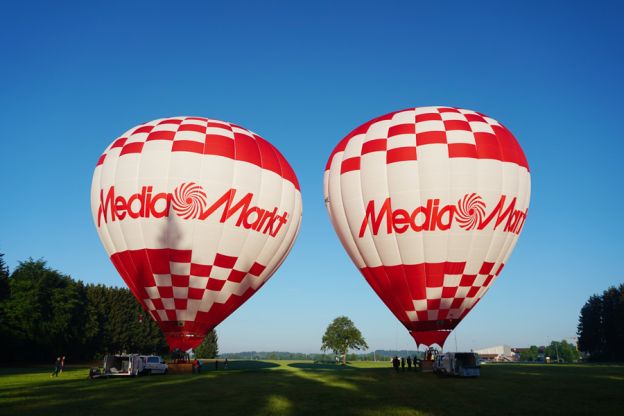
(196, 215)
(429, 203)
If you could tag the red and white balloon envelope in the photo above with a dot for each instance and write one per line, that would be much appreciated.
(196, 215)
(429, 203)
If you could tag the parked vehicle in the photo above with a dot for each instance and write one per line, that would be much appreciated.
(122, 365)
(153, 364)
(459, 364)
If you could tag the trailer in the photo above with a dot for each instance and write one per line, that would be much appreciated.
(458, 364)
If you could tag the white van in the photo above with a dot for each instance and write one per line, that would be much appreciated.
(153, 364)
(459, 364)
(123, 365)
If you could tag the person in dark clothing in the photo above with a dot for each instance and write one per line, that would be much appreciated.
(216, 364)
(402, 363)
(57, 367)
(395, 363)
(409, 363)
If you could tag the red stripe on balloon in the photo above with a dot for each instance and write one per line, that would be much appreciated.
(376, 145)
(132, 148)
(187, 146)
(199, 128)
(401, 154)
(101, 160)
(353, 163)
(430, 137)
(119, 142)
(161, 135)
(462, 150)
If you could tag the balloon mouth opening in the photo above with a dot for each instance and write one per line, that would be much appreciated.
(183, 341)
(430, 338)
(184, 335)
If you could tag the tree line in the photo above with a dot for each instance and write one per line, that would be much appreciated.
(601, 326)
(557, 351)
(45, 313)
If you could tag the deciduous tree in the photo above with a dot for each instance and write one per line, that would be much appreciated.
(342, 335)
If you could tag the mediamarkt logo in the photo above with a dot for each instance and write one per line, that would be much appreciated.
(469, 212)
(189, 201)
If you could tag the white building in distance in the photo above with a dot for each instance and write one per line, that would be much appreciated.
(497, 353)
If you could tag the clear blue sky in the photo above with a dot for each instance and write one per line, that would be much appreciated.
(75, 76)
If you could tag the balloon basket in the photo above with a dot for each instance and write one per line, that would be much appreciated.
(180, 368)
(426, 366)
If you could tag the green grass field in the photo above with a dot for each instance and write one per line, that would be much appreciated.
(300, 388)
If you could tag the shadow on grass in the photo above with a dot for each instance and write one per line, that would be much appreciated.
(296, 389)
(321, 366)
(247, 365)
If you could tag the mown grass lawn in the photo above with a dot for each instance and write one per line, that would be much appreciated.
(304, 388)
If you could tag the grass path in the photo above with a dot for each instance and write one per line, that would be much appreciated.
(304, 388)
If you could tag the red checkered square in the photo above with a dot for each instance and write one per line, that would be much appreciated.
(236, 276)
(431, 116)
(165, 291)
(221, 260)
(256, 269)
(164, 124)
(135, 147)
(200, 269)
(215, 284)
(180, 281)
(377, 145)
(160, 135)
(353, 163)
(219, 145)
(462, 150)
(119, 142)
(194, 293)
(456, 125)
(400, 154)
(486, 268)
(143, 129)
(430, 137)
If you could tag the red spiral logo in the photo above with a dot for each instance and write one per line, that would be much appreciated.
(470, 211)
(189, 200)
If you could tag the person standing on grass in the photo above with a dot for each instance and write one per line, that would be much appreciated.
(409, 363)
(57, 367)
(395, 363)
(225, 364)
(62, 364)
(402, 363)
